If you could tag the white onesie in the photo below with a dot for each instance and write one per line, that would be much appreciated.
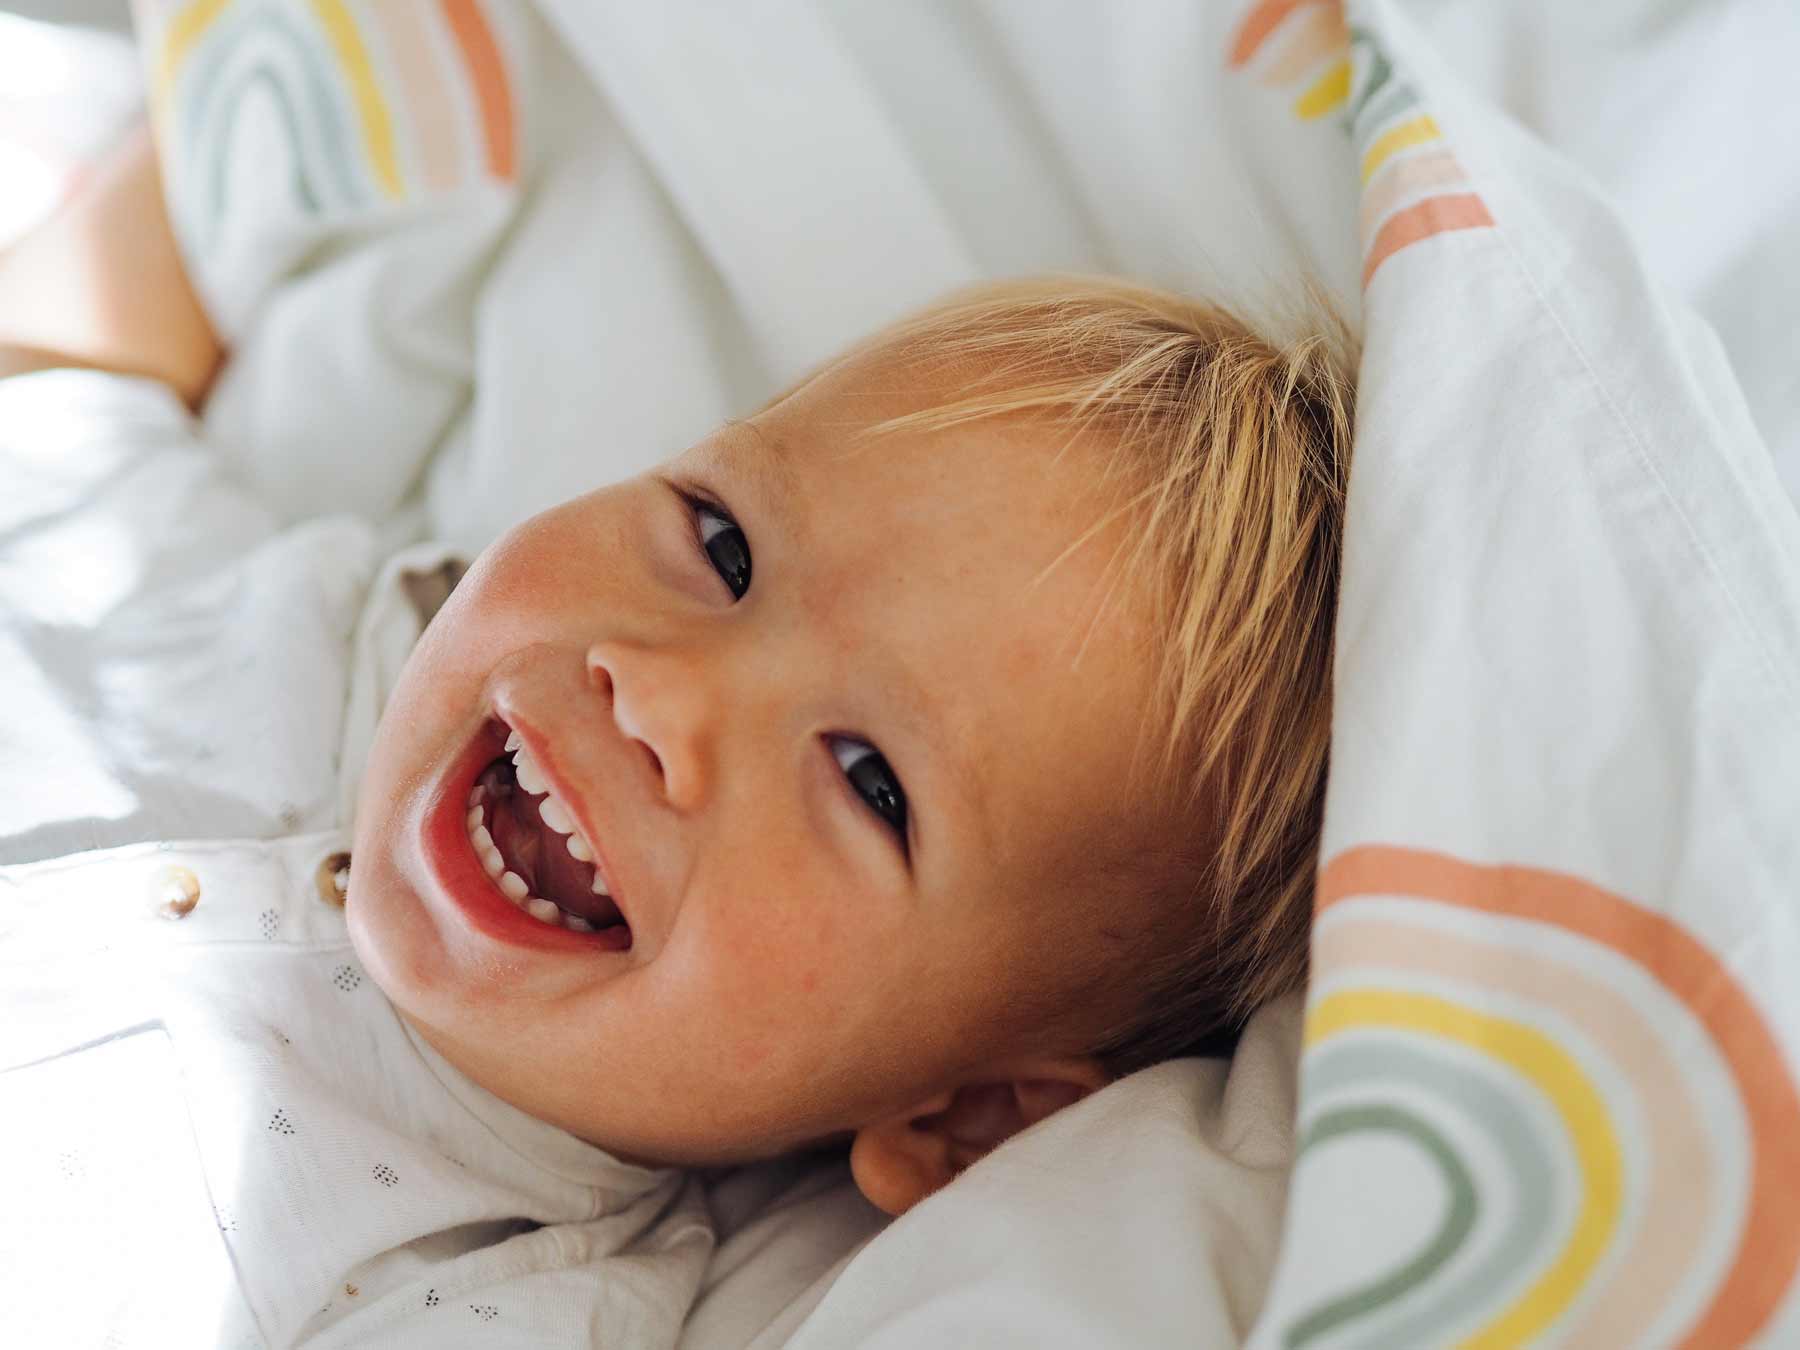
(218, 1131)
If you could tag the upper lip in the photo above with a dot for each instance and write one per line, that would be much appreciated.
(574, 801)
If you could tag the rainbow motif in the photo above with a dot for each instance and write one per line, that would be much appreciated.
(1412, 185)
(378, 101)
(1622, 1107)
(1561, 1114)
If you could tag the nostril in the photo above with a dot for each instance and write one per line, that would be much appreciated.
(599, 676)
(656, 764)
(601, 679)
(653, 710)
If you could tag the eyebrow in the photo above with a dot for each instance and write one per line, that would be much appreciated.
(768, 467)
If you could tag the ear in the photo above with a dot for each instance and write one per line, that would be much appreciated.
(900, 1160)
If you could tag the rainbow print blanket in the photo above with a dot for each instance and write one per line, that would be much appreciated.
(377, 102)
(1548, 1094)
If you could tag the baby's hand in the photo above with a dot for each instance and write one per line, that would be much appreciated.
(101, 283)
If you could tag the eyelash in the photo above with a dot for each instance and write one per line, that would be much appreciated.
(699, 506)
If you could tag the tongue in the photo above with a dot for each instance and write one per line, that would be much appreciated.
(541, 857)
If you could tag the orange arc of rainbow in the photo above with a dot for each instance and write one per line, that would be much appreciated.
(487, 72)
(1321, 33)
(1421, 220)
(1435, 170)
(1262, 20)
(1767, 1255)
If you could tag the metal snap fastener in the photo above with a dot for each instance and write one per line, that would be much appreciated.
(333, 879)
(174, 891)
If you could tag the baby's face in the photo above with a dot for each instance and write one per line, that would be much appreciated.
(818, 721)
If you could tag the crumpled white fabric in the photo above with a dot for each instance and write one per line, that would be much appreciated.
(1147, 1214)
(176, 658)
(219, 1132)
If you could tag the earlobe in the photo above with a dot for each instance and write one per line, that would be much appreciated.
(899, 1161)
(896, 1164)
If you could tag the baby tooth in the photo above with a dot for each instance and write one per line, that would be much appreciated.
(513, 742)
(579, 924)
(555, 816)
(543, 909)
(493, 862)
(475, 818)
(482, 839)
(475, 794)
(599, 886)
(527, 772)
(514, 886)
(578, 847)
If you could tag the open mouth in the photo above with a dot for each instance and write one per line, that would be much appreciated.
(528, 844)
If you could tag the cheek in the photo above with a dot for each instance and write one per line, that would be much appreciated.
(559, 564)
(785, 969)
(767, 943)
(812, 949)
(520, 592)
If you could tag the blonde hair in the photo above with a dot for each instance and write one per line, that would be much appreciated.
(1234, 453)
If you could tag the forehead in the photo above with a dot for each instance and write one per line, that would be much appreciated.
(957, 581)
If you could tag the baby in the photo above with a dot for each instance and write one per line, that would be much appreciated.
(801, 783)
(892, 768)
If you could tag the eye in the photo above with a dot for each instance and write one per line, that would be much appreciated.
(725, 546)
(870, 775)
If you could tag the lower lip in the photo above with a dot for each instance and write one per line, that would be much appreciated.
(450, 859)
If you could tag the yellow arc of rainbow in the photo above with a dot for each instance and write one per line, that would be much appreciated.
(371, 107)
(1579, 1104)
(184, 27)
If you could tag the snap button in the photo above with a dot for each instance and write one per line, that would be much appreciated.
(174, 891)
(333, 878)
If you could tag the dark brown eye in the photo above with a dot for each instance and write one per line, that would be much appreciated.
(874, 781)
(726, 548)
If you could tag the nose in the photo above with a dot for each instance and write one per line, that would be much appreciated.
(660, 705)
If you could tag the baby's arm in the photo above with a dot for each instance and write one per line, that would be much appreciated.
(101, 284)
